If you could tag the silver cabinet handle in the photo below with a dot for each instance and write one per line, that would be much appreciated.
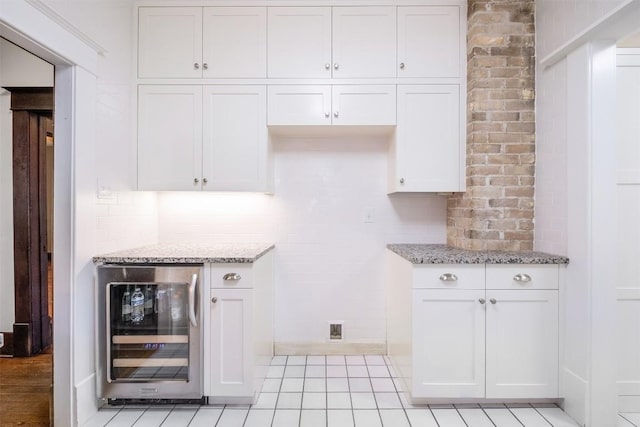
(482, 301)
(205, 180)
(493, 301)
(327, 114)
(336, 66)
(205, 66)
(522, 278)
(214, 300)
(448, 277)
(401, 180)
(196, 180)
(336, 114)
(327, 66)
(192, 300)
(402, 65)
(196, 66)
(231, 276)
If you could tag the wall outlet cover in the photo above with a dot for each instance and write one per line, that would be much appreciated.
(1, 340)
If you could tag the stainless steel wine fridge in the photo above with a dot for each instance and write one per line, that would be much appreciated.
(150, 332)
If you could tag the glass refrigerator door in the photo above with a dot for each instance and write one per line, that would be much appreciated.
(148, 331)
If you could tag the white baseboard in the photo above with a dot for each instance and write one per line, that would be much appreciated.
(86, 400)
(574, 390)
(302, 348)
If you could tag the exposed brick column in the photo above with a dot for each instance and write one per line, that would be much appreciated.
(496, 212)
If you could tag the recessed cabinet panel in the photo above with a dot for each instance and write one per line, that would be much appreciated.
(449, 276)
(427, 147)
(522, 344)
(364, 105)
(170, 42)
(234, 138)
(364, 42)
(235, 42)
(169, 137)
(299, 42)
(299, 105)
(448, 343)
(429, 41)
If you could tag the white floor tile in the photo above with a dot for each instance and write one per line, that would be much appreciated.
(383, 384)
(623, 422)
(339, 418)
(360, 385)
(279, 360)
(379, 371)
(633, 418)
(315, 371)
(475, 417)
(259, 418)
(355, 360)
(289, 401)
(294, 371)
(315, 384)
(448, 417)
(316, 360)
(152, 417)
(232, 417)
(392, 371)
(442, 406)
(292, 385)
(501, 417)
(398, 383)
(314, 401)
(338, 401)
(357, 371)
(363, 401)
(313, 418)
(266, 401)
(275, 371)
(286, 418)
(271, 385)
(421, 417)
(366, 418)
(335, 360)
(101, 418)
(374, 359)
(336, 371)
(206, 417)
(337, 384)
(557, 417)
(297, 360)
(394, 418)
(529, 417)
(126, 417)
(179, 417)
(388, 401)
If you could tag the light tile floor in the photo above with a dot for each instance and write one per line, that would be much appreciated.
(338, 391)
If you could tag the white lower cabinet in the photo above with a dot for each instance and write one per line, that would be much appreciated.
(464, 340)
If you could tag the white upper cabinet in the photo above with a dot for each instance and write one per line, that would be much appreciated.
(364, 42)
(169, 137)
(235, 42)
(170, 42)
(299, 42)
(196, 42)
(429, 41)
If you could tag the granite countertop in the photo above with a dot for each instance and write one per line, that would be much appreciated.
(188, 254)
(443, 254)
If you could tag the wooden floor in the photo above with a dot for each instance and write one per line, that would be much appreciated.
(26, 390)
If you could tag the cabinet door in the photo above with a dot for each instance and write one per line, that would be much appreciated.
(522, 344)
(364, 42)
(429, 41)
(428, 138)
(170, 42)
(231, 352)
(234, 138)
(364, 105)
(235, 42)
(448, 343)
(299, 105)
(299, 42)
(169, 137)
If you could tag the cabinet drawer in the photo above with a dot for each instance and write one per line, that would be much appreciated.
(522, 276)
(449, 276)
(231, 276)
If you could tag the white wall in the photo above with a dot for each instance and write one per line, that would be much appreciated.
(329, 262)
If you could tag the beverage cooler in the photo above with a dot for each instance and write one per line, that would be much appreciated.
(150, 332)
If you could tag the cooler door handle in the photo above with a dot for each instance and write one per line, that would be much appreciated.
(192, 300)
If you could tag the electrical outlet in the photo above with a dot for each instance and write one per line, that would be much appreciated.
(1, 340)
(335, 331)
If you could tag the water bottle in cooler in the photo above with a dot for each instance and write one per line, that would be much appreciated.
(137, 306)
(126, 305)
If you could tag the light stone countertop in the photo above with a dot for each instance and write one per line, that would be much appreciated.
(188, 254)
(443, 254)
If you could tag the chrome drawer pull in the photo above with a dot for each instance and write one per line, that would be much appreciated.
(482, 301)
(522, 278)
(231, 276)
(493, 301)
(448, 277)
